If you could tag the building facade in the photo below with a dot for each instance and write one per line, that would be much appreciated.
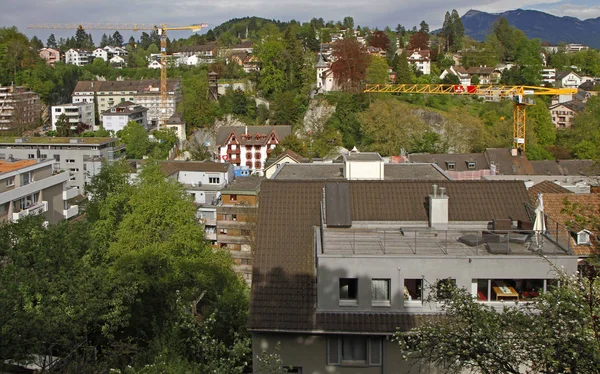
(81, 157)
(78, 57)
(117, 117)
(420, 59)
(145, 92)
(32, 187)
(75, 114)
(236, 222)
(20, 108)
(340, 267)
(249, 145)
(50, 55)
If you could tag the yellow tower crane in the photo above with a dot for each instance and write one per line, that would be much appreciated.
(161, 29)
(516, 93)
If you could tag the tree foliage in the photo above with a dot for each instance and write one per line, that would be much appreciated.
(557, 332)
(350, 66)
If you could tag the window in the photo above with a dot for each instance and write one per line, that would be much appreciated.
(248, 155)
(450, 165)
(470, 165)
(245, 232)
(213, 180)
(246, 261)
(25, 178)
(354, 350)
(234, 217)
(10, 182)
(31, 155)
(223, 231)
(257, 164)
(413, 291)
(69, 161)
(380, 292)
(232, 197)
(43, 157)
(444, 288)
(348, 291)
(509, 289)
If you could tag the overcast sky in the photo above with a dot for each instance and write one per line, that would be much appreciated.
(374, 13)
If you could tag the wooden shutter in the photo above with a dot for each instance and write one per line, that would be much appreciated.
(375, 351)
(333, 350)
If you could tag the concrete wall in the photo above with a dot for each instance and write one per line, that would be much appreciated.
(310, 353)
(429, 268)
(54, 197)
(364, 170)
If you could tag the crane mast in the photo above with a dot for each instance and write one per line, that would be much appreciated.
(161, 29)
(516, 93)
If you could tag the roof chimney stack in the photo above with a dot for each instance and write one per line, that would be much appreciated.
(438, 209)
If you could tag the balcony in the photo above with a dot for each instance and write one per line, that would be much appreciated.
(72, 211)
(211, 236)
(70, 193)
(34, 210)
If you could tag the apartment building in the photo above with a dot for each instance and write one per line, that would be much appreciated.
(75, 114)
(249, 145)
(51, 55)
(78, 57)
(144, 92)
(20, 108)
(81, 157)
(420, 59)
(236, 222)
(563, 113)
(340, 266)
(33, 187)
(117, 117)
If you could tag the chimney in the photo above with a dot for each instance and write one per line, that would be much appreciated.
(246, 130)
(438, 209)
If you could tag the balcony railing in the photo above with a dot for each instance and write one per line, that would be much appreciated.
(72, 211)
(34, 210)
(70, 193)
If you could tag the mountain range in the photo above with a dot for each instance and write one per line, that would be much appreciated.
(535, 24)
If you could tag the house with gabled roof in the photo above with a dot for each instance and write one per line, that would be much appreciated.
(563, 113)
(421, 59)
(460, 72)
(249, 146)
(486, 74)
(340, 266)
(567, 79)
(286, 157)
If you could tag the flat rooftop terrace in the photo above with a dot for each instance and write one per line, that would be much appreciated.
(427, 242)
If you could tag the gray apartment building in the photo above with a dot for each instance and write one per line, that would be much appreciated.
(32, 187)
(81, 157)
(340, 265)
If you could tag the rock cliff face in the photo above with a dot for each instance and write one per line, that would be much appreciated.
(456, 136)
(536, 24)
(317, 114)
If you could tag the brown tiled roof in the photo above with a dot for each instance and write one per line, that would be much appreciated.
(506, 163)
(284, 279)
(545, 167)
(460, 160)
(544, 187)
(554, 203)
(170, 167)
(281, 131)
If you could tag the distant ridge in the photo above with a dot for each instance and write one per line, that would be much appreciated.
(536, 24)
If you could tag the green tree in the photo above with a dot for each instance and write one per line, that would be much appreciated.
(505, 35)
(388, 126)
(196, 110)
(424, 27)
(268, 51)
(81, 37)
(405, 72)
(136, 140)
(63, 127)
(377, 72)
(103, 41)
(51, 42)
(348, 23)
(285, 110)
(556, 332)
(117, 39)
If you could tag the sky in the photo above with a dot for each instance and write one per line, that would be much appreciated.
(374, 13)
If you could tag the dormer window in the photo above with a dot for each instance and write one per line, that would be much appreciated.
(450, 165)
(470, 165)
(583, 237)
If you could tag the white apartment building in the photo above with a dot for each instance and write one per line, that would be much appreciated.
(420, 59)
(81, 157)
(117, 117)
(100, 53)
(32, 187)
(145, 92)
(77, 57)
(76, 113)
